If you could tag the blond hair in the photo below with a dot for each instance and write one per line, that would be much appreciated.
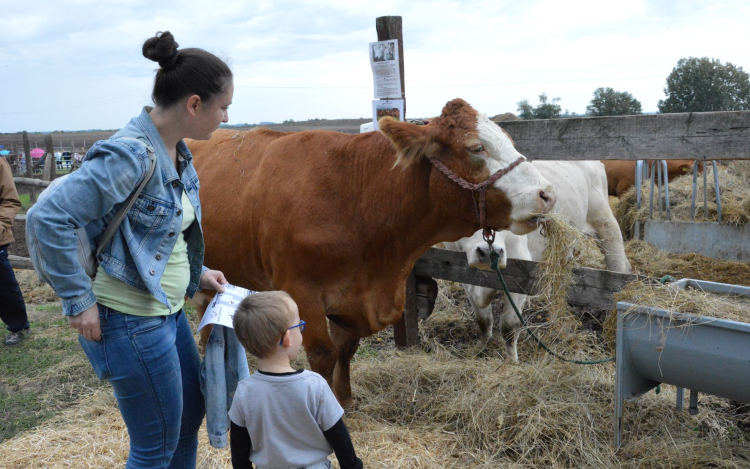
(261, 321)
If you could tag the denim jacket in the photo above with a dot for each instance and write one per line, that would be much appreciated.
(224, 365)
(90, 197)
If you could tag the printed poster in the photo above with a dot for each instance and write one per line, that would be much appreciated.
(387, 107)
(222, 308)
(385, 71)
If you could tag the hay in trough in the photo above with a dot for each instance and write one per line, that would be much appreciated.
(651, 262)
(734, 184)
(690, 301)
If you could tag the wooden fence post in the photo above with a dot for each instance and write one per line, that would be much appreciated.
(390, 27)
(50, 168)
(406, 330)
(27, 153)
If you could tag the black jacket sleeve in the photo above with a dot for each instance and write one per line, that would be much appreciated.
(338, 437)
(240, 444)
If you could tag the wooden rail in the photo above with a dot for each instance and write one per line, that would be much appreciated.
(591, 287)
(691, 135)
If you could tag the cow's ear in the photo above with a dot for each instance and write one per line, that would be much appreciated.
(412, 142)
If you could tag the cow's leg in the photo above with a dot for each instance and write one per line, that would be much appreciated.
(610, 239)
(481, 302)
(510, 324)
(318, 346)
(345, 346)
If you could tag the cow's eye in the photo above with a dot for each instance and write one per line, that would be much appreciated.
(479, 148)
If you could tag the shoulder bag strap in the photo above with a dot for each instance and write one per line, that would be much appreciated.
(123, 211)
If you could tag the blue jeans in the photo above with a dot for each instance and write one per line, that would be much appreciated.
(12, 307)
(153, 365)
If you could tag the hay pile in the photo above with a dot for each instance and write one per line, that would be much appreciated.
(690, 301)
(34, 291)
(651, 262)
(734, 183)
(567, 249)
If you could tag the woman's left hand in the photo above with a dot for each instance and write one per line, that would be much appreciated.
(213, 280)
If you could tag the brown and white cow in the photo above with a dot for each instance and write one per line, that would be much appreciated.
(338, 220)
(621, 173)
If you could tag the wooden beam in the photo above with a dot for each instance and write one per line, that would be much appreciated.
(406, 330)
(20, 262)
(591, 288)
(31, 182)
(690, 135)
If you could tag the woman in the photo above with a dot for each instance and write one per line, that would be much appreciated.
(129, 318)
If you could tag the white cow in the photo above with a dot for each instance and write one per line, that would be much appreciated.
(582, 197)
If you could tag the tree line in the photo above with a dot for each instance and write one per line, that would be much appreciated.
(694, 85)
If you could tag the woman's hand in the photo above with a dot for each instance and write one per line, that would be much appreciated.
(87, 323)
(213, 280)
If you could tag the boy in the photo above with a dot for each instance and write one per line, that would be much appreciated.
(281, 417)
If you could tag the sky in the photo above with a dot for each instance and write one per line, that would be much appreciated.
(77, 65)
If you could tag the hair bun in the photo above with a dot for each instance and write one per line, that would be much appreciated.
(161, 48)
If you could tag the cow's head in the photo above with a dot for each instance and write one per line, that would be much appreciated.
(474, 148)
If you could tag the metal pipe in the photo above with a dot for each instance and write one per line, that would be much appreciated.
(695, 190)
(666, 189)
(716, 189)
(680, 398)
(659, 183)
(705, 192)
(693, 409)
(651, 194)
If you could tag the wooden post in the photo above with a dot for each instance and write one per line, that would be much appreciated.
(27, 153)
(406, 330)
(390, 27)
(50, 168)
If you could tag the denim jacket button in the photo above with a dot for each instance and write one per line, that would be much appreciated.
(158, 257)
(179, 212)
(99, 258)
(150, 208)
(171, 233)
(152, 272)
(174, 184)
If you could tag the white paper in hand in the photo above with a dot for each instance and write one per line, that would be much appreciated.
(222, 308)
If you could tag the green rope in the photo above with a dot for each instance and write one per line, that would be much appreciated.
(494, 256)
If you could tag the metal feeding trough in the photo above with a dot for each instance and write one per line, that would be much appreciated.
(699, 353)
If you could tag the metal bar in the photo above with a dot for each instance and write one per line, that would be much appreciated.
(705, 192)
(680, 398)
(659, 183)
(716, 189)
(695, 190)
(693, 409)
(651, 193)
(666, 189)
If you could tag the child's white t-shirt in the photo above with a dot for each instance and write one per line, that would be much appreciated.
(285, 416)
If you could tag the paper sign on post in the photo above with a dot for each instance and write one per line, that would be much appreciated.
(222, 308)
(387, 107)
(385, 69)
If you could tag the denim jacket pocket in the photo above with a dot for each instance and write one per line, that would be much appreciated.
(148, 212)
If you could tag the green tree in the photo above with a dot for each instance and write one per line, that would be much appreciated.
(608, 102)
(702, 85)
(545, 109)
(525, 110)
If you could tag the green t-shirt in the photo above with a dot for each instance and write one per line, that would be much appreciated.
(118, 295)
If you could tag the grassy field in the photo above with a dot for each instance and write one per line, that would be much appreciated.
(47, 373)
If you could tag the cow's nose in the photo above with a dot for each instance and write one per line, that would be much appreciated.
(547, 199)
(483, 254)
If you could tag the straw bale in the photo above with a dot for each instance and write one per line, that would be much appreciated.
(734, 183)
(651, 262)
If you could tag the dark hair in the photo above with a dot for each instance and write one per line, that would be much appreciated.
(184, 72)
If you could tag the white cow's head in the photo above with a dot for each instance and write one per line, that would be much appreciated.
(473, 147)
(478, 252)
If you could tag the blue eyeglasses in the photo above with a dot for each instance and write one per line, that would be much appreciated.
(301, 326)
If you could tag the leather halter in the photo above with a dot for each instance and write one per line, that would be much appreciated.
(482, 187)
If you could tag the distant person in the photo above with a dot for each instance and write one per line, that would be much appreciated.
(130, 320)
(12, 307)
(58, 159)
(282, 417)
